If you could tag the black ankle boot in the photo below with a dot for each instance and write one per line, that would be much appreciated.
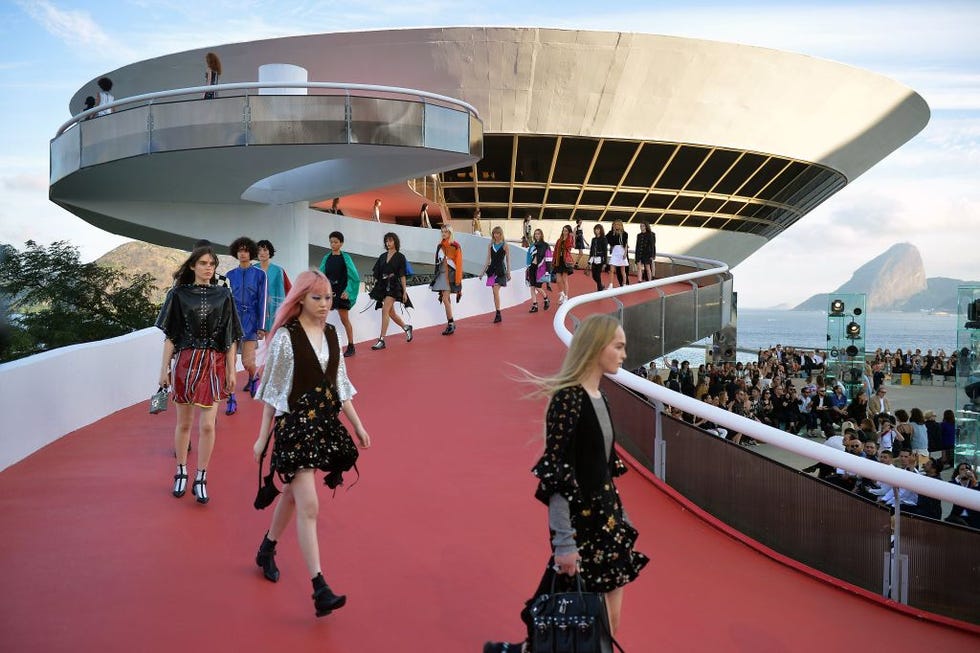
(324, 600)
(450, 329)
(266, 558)
(496, 317)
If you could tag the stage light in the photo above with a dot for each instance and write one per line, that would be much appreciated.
(851, 351)
(852, 330)
(837, 307)
(834, 353)
(858, 311)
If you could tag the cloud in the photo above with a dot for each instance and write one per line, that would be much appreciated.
(25, 182)
(74, 27)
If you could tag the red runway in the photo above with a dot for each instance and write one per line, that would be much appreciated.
(437, 545)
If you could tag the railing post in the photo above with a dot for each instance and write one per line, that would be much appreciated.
(659, 446)
(896, 548)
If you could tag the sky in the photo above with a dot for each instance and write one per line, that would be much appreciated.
(926, 193)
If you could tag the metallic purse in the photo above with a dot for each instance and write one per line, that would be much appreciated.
(158, 402)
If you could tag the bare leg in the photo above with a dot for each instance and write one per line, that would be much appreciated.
(248, 356)
(307, 507)
(496, 297)
(447, 304)
(205, 438)
(385, 315)
(348, 327)
(614, 605)
(283, 514)
(182, 432)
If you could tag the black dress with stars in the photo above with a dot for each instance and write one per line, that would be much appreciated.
(575, 465)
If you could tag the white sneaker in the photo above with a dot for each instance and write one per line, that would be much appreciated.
(609, 287)
(561, 299)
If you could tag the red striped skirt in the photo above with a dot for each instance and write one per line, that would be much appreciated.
(199, 377)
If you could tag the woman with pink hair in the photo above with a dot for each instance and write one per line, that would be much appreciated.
(304, 387)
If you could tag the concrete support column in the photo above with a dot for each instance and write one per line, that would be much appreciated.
(287, 226)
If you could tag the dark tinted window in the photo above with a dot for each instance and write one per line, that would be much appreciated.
(562, 196)
(712, 170)
(526, 195)
(748, 164)
(611, 164)
(682, 167)
(651, 160)
(596, 197)
(496, 161)
(534, 158)
(574, 158)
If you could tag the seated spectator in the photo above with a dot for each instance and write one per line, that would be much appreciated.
(857, 410)
(870, 449)
(822, 412)
(926, 506)
(964, 476)
(838, 405)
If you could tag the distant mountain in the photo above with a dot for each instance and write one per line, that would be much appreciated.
(160, 262)
(895, 281)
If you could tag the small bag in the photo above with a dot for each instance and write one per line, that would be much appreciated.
(571, 622)
(267, 487)
(158, 402)
(491, 279)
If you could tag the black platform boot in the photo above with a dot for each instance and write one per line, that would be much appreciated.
(324, 600)
(266, 558)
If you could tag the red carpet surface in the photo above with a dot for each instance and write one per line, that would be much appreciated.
(437, 545)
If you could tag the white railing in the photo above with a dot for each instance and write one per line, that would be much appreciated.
(893, 476)
(150, 98)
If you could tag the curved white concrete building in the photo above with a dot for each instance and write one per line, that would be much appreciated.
(719, 146)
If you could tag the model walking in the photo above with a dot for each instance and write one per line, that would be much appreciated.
(598, 255)
(249, 288)
(590, 532)
(619, 252)
(538, 271)
(304, 375)
(345, 283)
(449, 275)
(201, 329)
(646, 251)
(497, 267)
(579, 241)
(390, 286)
(563, 261)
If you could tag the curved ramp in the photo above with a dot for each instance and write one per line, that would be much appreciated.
(437, 545)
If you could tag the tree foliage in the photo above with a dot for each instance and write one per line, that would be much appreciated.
(53, 299)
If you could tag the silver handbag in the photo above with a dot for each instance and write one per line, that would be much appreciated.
(158, 402)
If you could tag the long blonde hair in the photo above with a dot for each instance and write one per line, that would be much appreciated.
(591, 337)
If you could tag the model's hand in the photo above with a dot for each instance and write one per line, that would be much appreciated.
(260, 334)
(257, 449)
(230, 380)
(165, 379)
(568, 563)
(344, 295)
(364, 440)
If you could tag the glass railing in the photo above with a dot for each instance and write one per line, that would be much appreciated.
(180, 119)
(793, 513)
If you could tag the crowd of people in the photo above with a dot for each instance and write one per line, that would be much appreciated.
(784, 389)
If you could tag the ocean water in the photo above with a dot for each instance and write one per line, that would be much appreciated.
(759, 328)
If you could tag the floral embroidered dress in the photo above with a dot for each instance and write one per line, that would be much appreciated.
(578, 466)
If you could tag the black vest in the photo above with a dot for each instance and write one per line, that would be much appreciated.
(306, 368)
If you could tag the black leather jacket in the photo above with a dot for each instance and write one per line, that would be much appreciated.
(200, 317)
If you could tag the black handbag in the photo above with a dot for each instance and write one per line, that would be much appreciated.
(267, 487)
(571, 622)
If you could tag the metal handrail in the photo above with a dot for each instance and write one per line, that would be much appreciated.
(190, 90)
(893, 476)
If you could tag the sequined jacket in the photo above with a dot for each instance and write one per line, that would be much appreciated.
(574, 461)
(199, 317)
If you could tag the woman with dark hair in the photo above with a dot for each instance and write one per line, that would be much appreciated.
(646, 251)
(305, 374)
(857, 410)
(947, 437)
(345, 283)
(390, 286)
(579, 241)
(105, 95)
(449, 275)
(562, 264)
(619, 252)
(497, 267)
(201, 330)
(277, 281)
(538, 269)
(212, 72)
(591, 536)
(598, 255)
(249, 288)
(964, 476)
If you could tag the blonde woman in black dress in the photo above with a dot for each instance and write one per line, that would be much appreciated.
(591, 534)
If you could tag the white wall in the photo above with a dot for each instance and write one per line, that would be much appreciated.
(49, 395)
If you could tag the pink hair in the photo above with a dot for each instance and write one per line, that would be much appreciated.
(311, 281)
